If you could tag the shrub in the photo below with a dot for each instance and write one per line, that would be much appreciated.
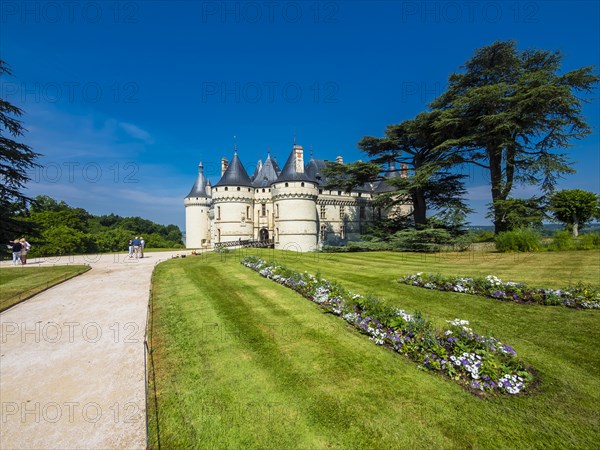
(427, 240)
(562, 240)
(519, 240)
(484, 236)
(588, 241)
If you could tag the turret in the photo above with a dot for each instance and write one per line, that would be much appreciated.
(233, 199)
(197, 206)
(294, 199)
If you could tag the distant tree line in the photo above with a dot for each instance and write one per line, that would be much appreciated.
(55, 228)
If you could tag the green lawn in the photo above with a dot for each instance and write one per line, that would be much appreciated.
(241, 362)
(17, 284)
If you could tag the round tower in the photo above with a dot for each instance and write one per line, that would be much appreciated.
(233, 201)
(294, 199)
(197, 207)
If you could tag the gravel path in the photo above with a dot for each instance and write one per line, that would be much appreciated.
(72, 359)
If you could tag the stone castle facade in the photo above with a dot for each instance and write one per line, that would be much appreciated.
(291, 206)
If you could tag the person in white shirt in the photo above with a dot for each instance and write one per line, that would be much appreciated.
(25, 246)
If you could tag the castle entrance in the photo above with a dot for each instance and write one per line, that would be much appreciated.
(264, 234)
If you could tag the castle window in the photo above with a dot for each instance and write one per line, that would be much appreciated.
(323, 233)
(339, 192)
(248, 189)
(263, 190)
(238, 188)
(343, 232)
(263, 209)
(226, 188)
(342, 212)
(218, 213)
(323, 211)
(360, 194)
(248, 212)
(276, 210)
(302, 184)
(362, 212)
(218, 235)
(277, 235)
(320, 191)
(287, 184)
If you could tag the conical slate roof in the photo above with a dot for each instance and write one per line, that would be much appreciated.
(235, 175)
(259, 165)
(267, 174)
(288, 173)
(199, 188)
(314, 170)
(392, 172)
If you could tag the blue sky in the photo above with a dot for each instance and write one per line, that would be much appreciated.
(124, 99)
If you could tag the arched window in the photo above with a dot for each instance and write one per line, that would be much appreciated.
(239, 188)
(287, 185)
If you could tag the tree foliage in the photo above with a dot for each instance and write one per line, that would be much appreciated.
(512, 113)
(16, 159)
(519, 213)
(430, 183)
(574, 207)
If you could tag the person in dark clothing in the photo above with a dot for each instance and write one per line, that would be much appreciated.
(16, 251)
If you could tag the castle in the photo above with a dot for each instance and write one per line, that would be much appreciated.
(292, 206)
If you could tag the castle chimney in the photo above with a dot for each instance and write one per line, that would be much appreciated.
(339, 160)
(299, 155)
(224, 165)
(404, 170)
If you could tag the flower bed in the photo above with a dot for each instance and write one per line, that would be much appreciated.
(482, 364)
(584, 297)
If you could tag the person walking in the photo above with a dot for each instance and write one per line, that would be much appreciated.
(25, 246)
(136, 247)
(130, 247)
(16, 251)
(142, 243)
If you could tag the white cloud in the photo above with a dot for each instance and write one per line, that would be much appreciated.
(136, 132)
